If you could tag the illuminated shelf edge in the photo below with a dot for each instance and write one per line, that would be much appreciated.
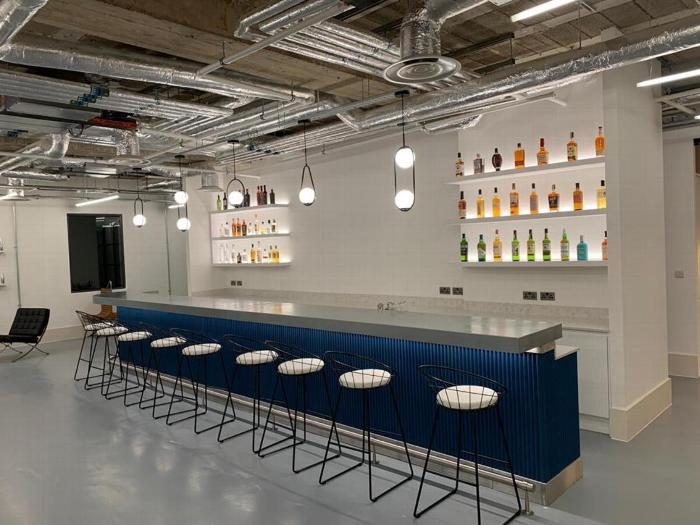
(252, 265)
(536, 264)
(249, 209)
(537, 217)
(246, 237)
(593, 162)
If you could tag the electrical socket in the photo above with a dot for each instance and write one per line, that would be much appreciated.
(233, 283)
(457, 290)
(679, 274)
(547, 296)
(529, 296)
(444, 290)
(239, 283)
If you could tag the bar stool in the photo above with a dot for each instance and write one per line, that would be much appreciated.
(90, 323)
(462, 392)
(136, 335)
(365, 376)
(161, 341)
(248, 353)
(109, 360)
(297, 366)
(195, 353)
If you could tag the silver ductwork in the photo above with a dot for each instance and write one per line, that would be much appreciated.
(126, 143)
(14, 14)
(421, 49)
(53, 146)
(34, 175)
(55, 54)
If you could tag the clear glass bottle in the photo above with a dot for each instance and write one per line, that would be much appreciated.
(542, 154)
(478, 165)
(553, 199)
(462, 206)
(480, 206)
(604, 246)
(459, 166)
(519, 156)
(534, 201)
(497, 248)
(514, 201)
(578, 198)
(601, 196)
(496, 204)
(572, 149)
(600, 143)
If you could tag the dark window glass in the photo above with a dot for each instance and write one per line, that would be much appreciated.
(96, 251)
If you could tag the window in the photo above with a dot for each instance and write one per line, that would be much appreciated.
(96, 251)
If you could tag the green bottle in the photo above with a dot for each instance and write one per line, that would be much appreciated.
(463, 249)
(546, 247)
(481, 248)
(530, 248)
(515, 247)
(564, 246)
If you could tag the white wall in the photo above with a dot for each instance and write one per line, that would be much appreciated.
(44, 263)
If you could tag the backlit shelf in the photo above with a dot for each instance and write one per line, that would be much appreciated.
(557, 167)
(536, 264)
(249, 209)
(535, 217)
(252, 237)
(253, 265)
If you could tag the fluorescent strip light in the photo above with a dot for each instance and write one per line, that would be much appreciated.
(669, 78)
(539, 9)
(97, 201)
(697, 117)
(173, 206)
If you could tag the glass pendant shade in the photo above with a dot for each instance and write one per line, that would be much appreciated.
(307, 192)
(181, 197)
(235, 198)
(405, 157)
(183, 224)
(139, 220)
(404, 200)
(307, 196)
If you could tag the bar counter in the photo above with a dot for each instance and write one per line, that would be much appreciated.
(540, 409)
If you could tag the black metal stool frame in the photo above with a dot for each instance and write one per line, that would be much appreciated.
(243, 345)
(343, 362)
(436, 378)
(153, 363)
(286, 353)
(108, 360)
(194, 338)
(130, 362)
(90, 323)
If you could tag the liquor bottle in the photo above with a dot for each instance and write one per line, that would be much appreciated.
(244, 229)
(578, 198)
(601, 196)
(274, 225)
(269, 226)
(497, 248)
(264, 195)
(572, 149)
(496, 204)
(256, 228)
(244, 258)
(462, 206)
(534, 201)
(239, 229)
(604, 246)
(253, 254)
(463, 249)
(459, 165)
(480, 207)
(519, 156)
(266, 255)
(553, 199)
(478, 165)
(515, 247)
(272, 196)
(582, 250)
(227, 230)
(239, 259)
(564, 246)
(481, 248)
(546, 246)
(542, 154)
(530, 247)
(497, 160)
(258, 195)
(514, 201)
(233, 229)
(224, 203)
(218, 203)
(246, 199)
(600, 143)
(277, 254)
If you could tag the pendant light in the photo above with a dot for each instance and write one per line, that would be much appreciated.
(183, 222)
(235, 198)
(139, 218)
(181, 196)
(307, 194)
(405, 158)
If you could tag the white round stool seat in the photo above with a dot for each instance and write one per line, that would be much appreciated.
(167, 342)
(467, 397)
(201, 349)
(300, 366)
(134, 336)
(111, 330)
(256, 357)
(97, 326)
(365, 378)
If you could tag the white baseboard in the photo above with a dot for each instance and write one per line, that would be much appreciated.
(627, 422)
(63, 334)
(683, 365)
(594, 424)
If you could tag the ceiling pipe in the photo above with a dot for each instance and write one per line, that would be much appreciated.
(14, 14)
(55, 54)
(34, 175)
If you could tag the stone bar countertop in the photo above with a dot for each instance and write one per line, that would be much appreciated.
(488, 333)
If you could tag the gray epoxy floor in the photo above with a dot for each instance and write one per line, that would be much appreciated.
(69, 457)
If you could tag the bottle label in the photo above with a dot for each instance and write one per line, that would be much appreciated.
(463, 253)
(459, 168)
(478, 166)
(564, 251)
(542, 158)
(578, 198)
(497, 251)
(482, 253)
(572, 151)
(514, 200)
(515, 250)
(554, 202)
(534, 204)
(530, 248)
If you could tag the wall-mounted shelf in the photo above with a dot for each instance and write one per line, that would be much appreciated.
(536, 264)
(250, 209)
(558, 167)
(536, 217)
(253, 237)
(253, 265)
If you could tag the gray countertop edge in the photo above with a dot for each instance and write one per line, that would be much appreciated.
(506, 344)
